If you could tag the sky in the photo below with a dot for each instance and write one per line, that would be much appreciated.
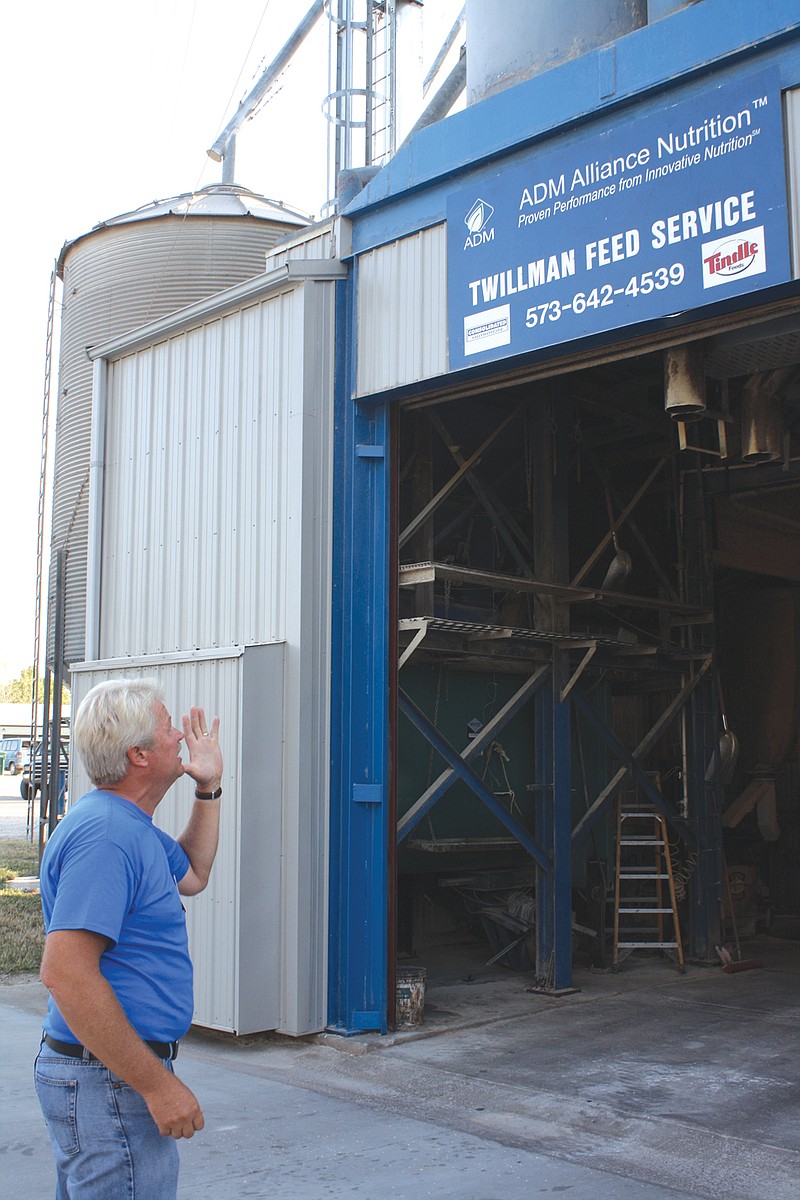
(107, 107)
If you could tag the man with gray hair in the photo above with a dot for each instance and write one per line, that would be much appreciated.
(116, 958)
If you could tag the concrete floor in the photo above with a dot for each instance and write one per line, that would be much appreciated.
(646, 1083)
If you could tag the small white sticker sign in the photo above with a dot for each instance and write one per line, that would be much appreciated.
(488, 329)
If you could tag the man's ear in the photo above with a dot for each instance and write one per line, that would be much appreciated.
(137, 757)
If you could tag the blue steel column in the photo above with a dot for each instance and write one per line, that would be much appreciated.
(550, 417)
(358, 923)
(562, 825)
(554, 830)
(702, 731)
(544, 809)
(705, 813)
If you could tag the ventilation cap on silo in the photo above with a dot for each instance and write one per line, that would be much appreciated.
(215, 200)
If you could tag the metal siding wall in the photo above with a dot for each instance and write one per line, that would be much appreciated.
(197, 472)
(216, 533)
(213, 929)
(308, 637)
(315, 243)
(402, 312)
(115, 279)
(212, 917)
(792, 109)
(261, 917)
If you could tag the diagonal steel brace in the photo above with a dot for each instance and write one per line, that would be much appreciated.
(454, 480)
(437, 789)
(502, 520)
(632, 761)
(465, 773)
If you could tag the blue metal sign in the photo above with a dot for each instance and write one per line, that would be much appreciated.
(657, 215)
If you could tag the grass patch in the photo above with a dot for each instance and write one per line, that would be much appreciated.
(21, 932)
(19, 857)
(21, 929)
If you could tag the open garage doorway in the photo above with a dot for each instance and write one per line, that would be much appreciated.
(597, 611)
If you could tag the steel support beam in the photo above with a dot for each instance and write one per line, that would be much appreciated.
(614, 785)
(454, 480)
(359, 838)
(543, 809)
(465, 515)
(426, 801)
(55, 792)
(701, 731)
(602, 475)
(550, 418)
(706, 886)
(501, 519)
(562, 825)
(621, 519)
(632, 768)
(473, 782)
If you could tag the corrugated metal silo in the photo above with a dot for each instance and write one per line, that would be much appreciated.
(126, 272)
(511, 40)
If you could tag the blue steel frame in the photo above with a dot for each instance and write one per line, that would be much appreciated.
(561, 976)
(410, 194)
(359, 836)
(706, 887)
(464, 772)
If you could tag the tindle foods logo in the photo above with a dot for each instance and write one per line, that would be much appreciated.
(476, 221)
(730, 258)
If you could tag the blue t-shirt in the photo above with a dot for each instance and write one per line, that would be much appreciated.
(108, 869)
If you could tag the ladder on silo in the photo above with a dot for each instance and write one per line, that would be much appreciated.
(37, 634)
(645, 904)
(381, 82)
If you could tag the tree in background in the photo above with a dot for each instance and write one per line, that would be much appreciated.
(19, 690)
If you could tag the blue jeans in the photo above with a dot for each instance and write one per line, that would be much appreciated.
(106, 1144)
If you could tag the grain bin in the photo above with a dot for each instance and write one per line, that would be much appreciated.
(511, 40)
(124, 273)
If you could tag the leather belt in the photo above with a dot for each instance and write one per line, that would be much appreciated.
(76, 1050)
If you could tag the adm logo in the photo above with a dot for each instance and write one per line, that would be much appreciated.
(731, 258)
(476, 221)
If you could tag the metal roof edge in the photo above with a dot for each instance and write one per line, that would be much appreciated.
(306, 270)
(165, 658)
(642, 62)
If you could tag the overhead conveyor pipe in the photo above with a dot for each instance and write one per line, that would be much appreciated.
(447, 45)
(445, 98)
(220, 150)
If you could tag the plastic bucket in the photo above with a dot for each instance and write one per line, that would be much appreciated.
(410, 997)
